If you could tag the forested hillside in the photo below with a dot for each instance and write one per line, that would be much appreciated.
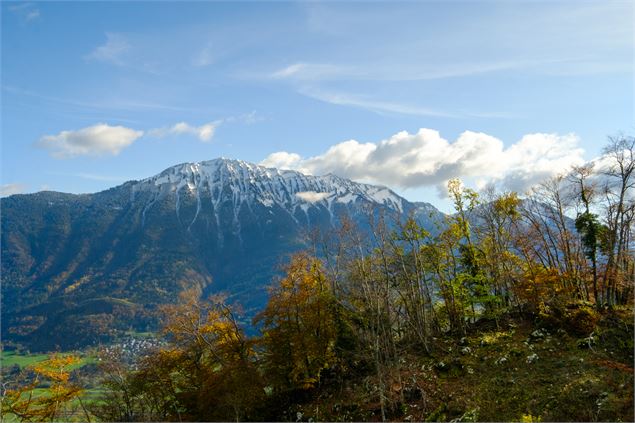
(80, 270)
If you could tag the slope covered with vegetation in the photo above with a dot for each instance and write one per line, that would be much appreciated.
(513, 310)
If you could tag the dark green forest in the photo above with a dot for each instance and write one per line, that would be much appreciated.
(516, 308)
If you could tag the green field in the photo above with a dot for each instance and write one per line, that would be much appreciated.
(10, 358)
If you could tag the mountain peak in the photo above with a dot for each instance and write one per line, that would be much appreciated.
(247, 186)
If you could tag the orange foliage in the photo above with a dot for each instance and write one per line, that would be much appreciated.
(48, 406)
(299, 327)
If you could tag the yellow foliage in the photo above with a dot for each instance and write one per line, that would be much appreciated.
(300, 330)
(208, 326)
(538, 285)
(493, 337)
(56, 370)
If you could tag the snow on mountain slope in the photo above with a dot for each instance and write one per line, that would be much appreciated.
(246, 184)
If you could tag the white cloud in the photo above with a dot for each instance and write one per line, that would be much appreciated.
(10, 189)
(282, 160)
(204, 132)
(113, 51)
(97, 140)
(426, 159)
(312, 196)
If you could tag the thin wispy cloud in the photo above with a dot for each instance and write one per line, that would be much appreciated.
(119, 50)
(17, 7)
(407, 72)
(119, 104)
(529, 42)
(32, 14)
(246, 118)
(315, 71)
(544, 34)
(28, 12)
(205, 56)
(113, 51)
(302, 71)
(307, 78)
(588, 67)
(204, 132)
(342, 99)
(388, 107)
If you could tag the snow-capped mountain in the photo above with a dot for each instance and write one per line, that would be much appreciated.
(246, 185)
(74, 263)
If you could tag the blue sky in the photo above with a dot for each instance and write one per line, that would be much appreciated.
(94, 94)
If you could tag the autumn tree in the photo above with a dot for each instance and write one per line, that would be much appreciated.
(299, 332)
(548, 238)
(123, 399)
(497, 220)
(587, 222)
(619, 208)
(364, 265)
(415, 288)
(56, 400)
(206, 371)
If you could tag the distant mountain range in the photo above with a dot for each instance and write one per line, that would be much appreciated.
(79, 269)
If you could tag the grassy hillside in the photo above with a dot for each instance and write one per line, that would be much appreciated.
(519, 371)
